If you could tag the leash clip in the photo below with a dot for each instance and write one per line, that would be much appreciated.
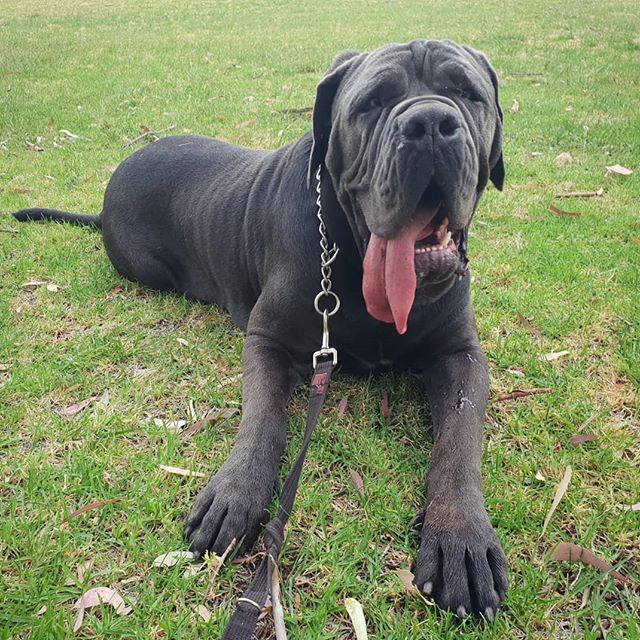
(325, 350)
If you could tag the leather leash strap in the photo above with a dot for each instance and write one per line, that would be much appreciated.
(245, 618)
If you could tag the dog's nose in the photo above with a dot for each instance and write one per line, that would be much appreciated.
(429, 121)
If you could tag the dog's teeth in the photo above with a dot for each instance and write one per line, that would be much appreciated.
(445, 241)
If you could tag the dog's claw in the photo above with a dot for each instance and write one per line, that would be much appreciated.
(488, 614)
(427, 588)
(461, 612)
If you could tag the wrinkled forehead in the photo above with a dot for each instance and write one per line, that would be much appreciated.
(418, 63)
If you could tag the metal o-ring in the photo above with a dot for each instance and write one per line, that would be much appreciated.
(327, 294)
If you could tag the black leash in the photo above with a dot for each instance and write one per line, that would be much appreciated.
(245, 618)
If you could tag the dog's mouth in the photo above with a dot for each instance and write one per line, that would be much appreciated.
(424, 252)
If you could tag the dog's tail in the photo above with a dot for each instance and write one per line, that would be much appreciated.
(26, 215)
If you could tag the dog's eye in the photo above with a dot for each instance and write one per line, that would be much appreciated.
(466, 93)
(370, 104)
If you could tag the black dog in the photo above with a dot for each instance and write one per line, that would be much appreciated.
(407, 138)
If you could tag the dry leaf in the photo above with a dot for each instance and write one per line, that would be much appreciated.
(529, 326)
(82, 569)
(515, 107)
(622, 171)
(32, 285)
(230, 380)
(181, 472)
(171, 558)
(521, 393)
(342, 407)
(562, 213)
(357, 481)
(174, 426)
(564, 158)
(193, 570)
(41, 611)
(54, 288)
(582, 437)
(96, 597)
(540, 477)
(92, 506)
(561, 489)
(555, 355)
(354, 609)
(630, 507)
(204, 613)
(407, 578)
(384, 405)
(183, 342)
(76, 407)
(566, 551)
(213, 415)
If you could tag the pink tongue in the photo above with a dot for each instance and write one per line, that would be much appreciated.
(389, 281)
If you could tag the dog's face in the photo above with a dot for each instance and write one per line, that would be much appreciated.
(410, 135)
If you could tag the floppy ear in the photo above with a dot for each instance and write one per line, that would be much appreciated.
(496, 163)
(325, 93)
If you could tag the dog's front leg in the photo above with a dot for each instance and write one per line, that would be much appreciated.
(236, 499)
(460, 563)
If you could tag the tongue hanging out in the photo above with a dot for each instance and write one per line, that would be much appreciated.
(389, 280)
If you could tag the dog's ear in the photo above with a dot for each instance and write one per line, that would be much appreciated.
(325, 94)
(496, 162)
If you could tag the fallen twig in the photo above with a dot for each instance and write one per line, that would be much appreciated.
(296, 111)
(13, 231)
(276, 607)
(521, 393)
(581, 194)
(148, 134)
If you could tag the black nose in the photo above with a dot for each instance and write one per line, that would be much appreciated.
(426, 121)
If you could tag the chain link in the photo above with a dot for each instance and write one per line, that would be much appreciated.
(327, 256)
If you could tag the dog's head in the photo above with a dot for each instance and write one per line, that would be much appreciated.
(410, 135)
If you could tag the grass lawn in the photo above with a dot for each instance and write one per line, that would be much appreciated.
(108, 72)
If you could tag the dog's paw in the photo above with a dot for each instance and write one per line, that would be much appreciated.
(232, 505)
(461, 564)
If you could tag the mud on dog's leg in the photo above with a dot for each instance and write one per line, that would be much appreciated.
(460, 563)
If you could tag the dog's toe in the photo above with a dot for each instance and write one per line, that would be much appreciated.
(464, 571)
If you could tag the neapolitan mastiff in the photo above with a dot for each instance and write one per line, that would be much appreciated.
(407, 137)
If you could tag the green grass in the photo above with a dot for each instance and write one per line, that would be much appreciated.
(103, 71)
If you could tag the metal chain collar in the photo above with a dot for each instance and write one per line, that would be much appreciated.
(327, 256)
